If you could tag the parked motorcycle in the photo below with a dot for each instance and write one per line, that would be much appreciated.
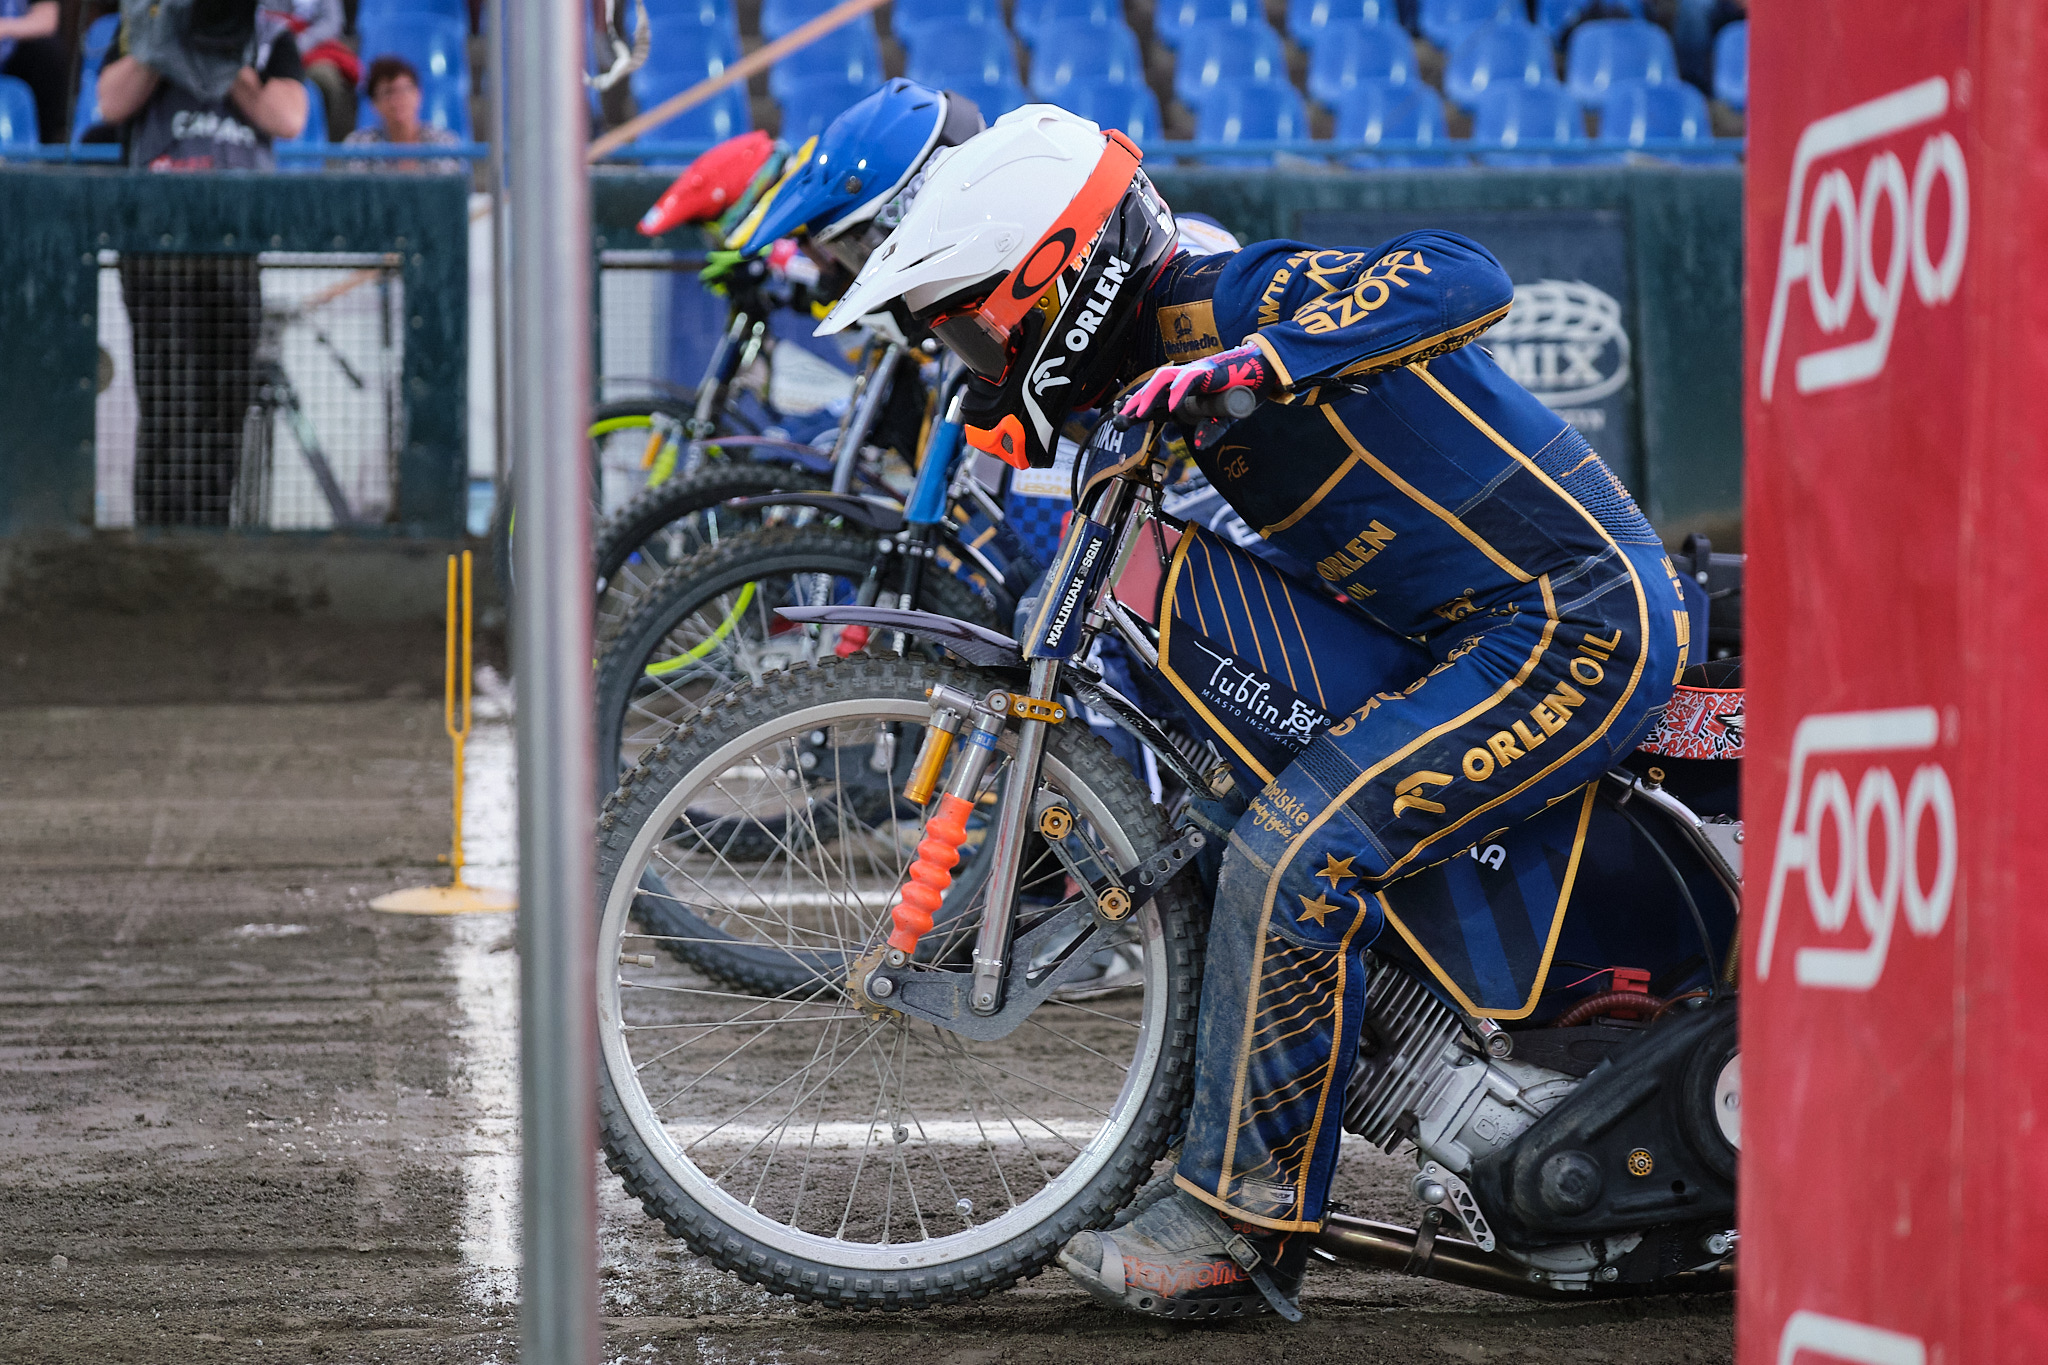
(895, 1105)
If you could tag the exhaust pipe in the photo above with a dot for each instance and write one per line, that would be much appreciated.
(1411, 1251)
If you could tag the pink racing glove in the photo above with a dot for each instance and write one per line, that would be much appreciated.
(1244, 368)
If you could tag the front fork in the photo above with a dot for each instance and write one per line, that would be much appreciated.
(939, 851)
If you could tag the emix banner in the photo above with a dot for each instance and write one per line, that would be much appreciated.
(1894, 1177)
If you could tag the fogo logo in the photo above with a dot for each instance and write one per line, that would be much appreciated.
(1894, 841)
(1886, 227)
(1563, 341)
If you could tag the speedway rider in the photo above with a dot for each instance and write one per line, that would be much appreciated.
(1438, 498)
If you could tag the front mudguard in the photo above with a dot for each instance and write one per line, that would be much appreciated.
(976, 645)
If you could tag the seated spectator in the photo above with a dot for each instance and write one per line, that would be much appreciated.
(29, 51)
(394, 89)
(332, 66)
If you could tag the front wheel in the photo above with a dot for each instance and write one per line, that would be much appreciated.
(852, 1156)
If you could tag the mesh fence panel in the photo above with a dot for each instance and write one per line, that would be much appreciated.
(253, 391)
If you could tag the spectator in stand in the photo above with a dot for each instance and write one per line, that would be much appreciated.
(193, 89)
(332, 67)
(29, 51)
(394, 88)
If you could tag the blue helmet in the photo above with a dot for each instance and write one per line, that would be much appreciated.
(867, 159)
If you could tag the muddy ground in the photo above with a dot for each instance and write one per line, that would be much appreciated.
(238, 1108)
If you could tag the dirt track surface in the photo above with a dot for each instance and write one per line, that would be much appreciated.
(239, 1106)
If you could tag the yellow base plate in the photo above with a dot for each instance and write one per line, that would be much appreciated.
(445, 900)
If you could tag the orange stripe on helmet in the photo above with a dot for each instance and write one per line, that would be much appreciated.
(1076, 228)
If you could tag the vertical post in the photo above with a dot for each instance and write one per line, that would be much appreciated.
(549, 395)
(456, 718)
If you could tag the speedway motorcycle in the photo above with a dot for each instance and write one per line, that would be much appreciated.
(839, 906)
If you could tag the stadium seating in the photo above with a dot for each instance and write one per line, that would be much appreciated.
(1446, 22)
(1555, 16)
(978, 62)
(1369, 115)
(911, 18)
(1731, 65)
(847, 56)
(438, 48)
(1251, 113)
(671, 17)
(780, 16)
(93, 45)
(809, 108)
(678, 59)
(1175, 19)
(1505, 52)
(1309, 20)
(17, 113)
(370, 13)
(1035, 15)
(1078, 52)
(1213, 56)
(1350, 55)
(1610, 52)
(1633, 113)
(1133, 109)
(722, 116)
(1510, 115)
(97, 38)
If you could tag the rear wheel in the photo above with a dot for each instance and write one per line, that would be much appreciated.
(857, 1157)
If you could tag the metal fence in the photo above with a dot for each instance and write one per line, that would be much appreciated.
(249, 391)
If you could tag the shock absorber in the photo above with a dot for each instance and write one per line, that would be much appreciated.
(924, 888)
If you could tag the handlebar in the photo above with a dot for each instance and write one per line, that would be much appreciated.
(1231, 405)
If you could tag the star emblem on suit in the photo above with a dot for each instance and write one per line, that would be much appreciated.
(1337, 869)
(1318, 909)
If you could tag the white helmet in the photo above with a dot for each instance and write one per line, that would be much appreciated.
(1016, 255)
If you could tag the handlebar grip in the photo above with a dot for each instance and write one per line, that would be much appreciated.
(1230, 405)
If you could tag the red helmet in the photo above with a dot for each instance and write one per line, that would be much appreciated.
(711, 184)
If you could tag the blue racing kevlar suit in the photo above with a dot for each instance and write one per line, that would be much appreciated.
(1448, 506)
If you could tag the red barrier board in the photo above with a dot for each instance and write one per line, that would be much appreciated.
(1895, 939)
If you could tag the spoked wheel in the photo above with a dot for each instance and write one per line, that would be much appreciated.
(849, 1155)
(671, 521)
(710, 623)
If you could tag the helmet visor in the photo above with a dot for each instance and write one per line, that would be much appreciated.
(980, 347)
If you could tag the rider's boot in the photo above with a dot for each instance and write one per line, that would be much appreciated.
(1182, 1259)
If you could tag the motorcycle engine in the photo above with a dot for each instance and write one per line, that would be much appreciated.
(1420, 1078)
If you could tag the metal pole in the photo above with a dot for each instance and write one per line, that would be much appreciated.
(549, 220)
(501, 252)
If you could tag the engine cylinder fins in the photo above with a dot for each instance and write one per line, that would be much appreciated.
(1405, 1029)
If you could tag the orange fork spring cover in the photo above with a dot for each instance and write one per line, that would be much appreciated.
(931, 874)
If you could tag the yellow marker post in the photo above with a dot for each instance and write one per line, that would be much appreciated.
(457, 898)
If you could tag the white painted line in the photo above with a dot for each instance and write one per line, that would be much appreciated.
(486, 972)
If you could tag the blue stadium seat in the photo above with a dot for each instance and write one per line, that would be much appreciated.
(1251, 113)
(1555, 16)
(780, 16)
(1215, 55)
(17, 113)
(1731, 65)
(1078, 52)
(1034, 15)
(1633, 113)
(1609, 52)
(1176, 18)
(911, 18)
(953, 58)
(996, 98)
(678, 59)
(669, 18)
(1309, 20)
(722, 116)
(1355, 54)
(847, 56)
(1509, 115)
(1373, 113)
(1131, 109)
(1446, 22)
(92, 51)
(1505, 52)
(807, 109)
(97, 38)
(372, 12)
